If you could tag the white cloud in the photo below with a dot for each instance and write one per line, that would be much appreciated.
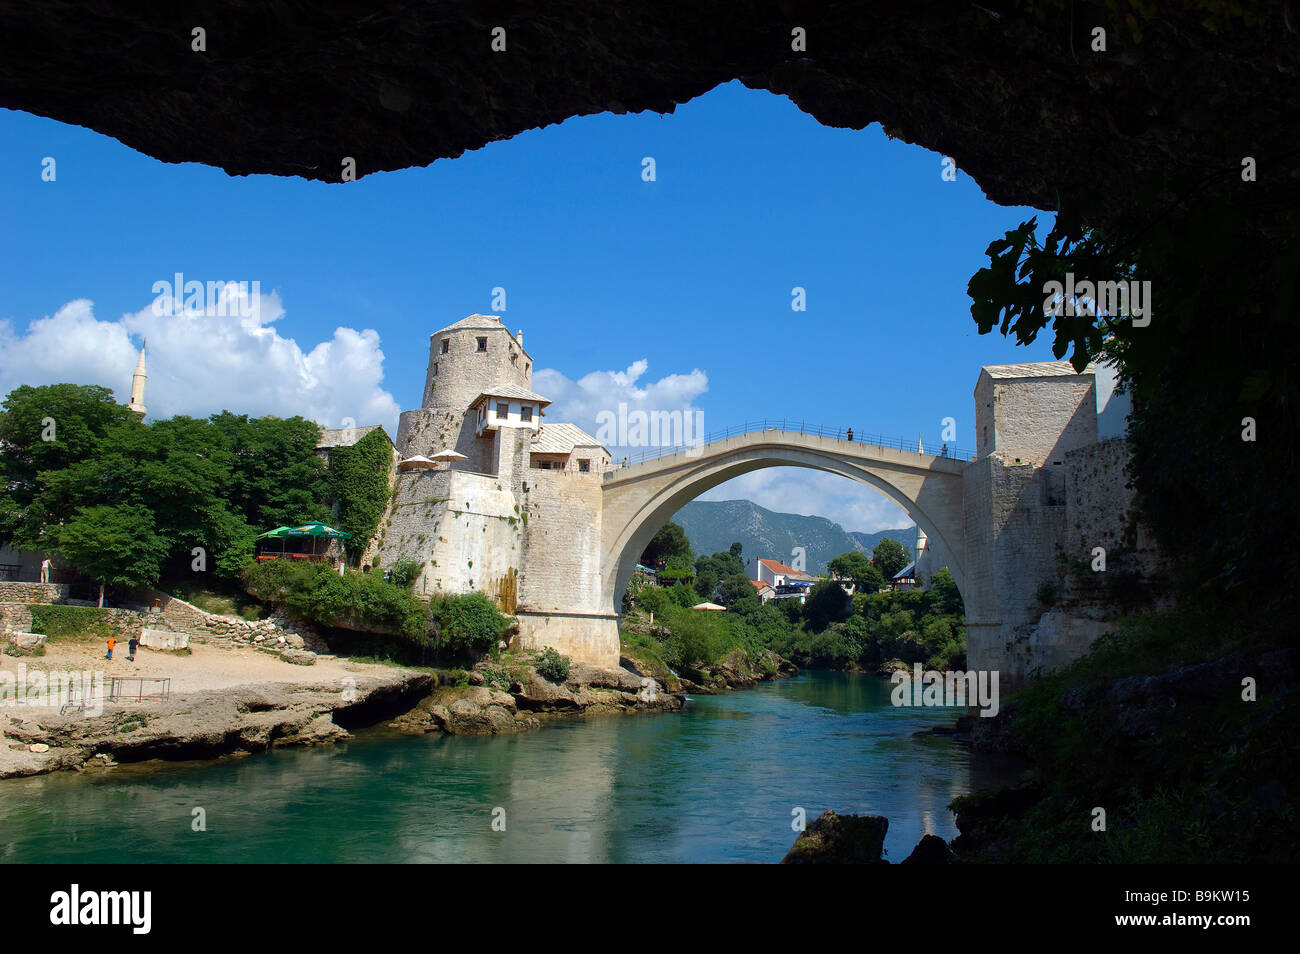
(783, 489)
(601, 392)
(205, 359)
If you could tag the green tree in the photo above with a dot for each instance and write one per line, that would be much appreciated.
(114, 545)
(710, 569)
(653, 599)
(670, 541)
(889, 556)
(858, 570)
(735, 587)
(276, 476)
(944, 596)
(827, 603)
(47, 428)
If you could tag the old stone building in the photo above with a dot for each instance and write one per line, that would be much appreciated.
(518, 514)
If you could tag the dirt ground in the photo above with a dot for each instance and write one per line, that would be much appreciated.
(209, 666)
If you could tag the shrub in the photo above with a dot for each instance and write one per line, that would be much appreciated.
(73, 622)
(652, 599)
(315, 592)
(496, 678)
(405, 572)
(552, 666)
(468, 625)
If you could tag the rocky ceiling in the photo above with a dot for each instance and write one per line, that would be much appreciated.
(1013, 91)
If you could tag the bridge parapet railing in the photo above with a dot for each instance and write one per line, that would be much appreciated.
(785, 425)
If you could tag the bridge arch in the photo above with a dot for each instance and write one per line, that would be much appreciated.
(639, 500)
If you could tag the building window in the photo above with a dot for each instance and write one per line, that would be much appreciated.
(528, 368)
(435, 369)
(446, 343)
(514, 358)
(482, 344)
(526, 413)
(503, 411)
(584, 466)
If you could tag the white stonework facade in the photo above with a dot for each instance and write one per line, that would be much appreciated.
(525, 502)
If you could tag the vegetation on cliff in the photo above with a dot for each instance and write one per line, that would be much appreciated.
(358, 483)
(1180, 725)
(318, 594)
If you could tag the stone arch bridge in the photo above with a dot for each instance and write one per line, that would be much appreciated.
(639, 499)
(1040, 487)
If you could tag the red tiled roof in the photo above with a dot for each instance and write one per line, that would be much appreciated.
(777, 567)
(758, 585)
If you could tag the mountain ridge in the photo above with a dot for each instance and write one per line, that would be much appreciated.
(713, 525)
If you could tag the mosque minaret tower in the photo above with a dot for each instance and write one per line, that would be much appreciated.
(137, 385)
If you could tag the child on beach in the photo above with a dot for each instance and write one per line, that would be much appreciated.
(111, 642)
(131, 645)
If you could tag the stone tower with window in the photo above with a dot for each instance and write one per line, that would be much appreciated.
(466, 359)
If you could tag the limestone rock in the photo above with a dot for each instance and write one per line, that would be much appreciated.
(319, 731)
(840, 839)
(540, 694)
(299, 657)
(930, 850)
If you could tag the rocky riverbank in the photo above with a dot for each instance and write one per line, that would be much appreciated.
(832, 839)
(493, 704)
(202, 725)
(233, 697)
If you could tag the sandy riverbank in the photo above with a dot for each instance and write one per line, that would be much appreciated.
(224, 698)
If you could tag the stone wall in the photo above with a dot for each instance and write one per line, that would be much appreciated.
(590, 639)
(33, 592)
(15, 616)
(1035, 419)
(1029, 526)
(464, 529)
(562, 568)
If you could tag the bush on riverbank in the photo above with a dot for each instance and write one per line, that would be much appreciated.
(1187, 769)
(881, 630)
(871, 632)
(467, 625)
(316, 593)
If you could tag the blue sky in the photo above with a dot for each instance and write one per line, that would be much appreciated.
(690, 274)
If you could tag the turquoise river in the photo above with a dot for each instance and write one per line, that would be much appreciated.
(717, 783)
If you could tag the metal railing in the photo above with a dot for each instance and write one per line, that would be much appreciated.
(797, 427)
(119, 688)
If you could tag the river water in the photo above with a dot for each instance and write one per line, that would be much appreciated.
(717, 783)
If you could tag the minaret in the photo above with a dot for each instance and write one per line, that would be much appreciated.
(137, 385)
(922, 543)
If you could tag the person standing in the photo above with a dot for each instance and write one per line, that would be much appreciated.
(112, 641)
(132, 644)
(46, 565)
(850, 433)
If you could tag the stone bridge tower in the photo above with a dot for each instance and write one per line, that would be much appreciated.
(465, 359)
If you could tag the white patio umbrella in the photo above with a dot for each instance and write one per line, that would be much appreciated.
(416, 463)
(448, 455)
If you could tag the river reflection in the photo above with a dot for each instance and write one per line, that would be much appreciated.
(717, 783)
